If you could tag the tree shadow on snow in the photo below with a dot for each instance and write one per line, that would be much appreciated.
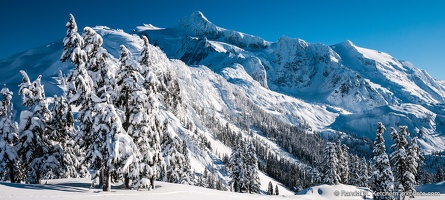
(65, 187)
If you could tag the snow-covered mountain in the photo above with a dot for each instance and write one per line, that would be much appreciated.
(364, 86)
(228, 79)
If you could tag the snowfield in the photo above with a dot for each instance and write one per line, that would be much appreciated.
(79, 189)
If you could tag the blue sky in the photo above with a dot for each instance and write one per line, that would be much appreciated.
(408, 30)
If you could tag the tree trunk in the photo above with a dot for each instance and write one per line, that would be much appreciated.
(126, 124)
(235, 186)
(152, 182)
(127, 181)
(11, 173)
(106, 180)
(101, 177)
(38, 178)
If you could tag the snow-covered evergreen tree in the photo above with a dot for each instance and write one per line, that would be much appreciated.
(63, 133)
(158, 79)
(39, 155)
(128, 80)
(382, 179)
(399, 157)
(9, 158)
(354, 168)
(142, 128)
(112, 150)
(98, 66)
(145, 61)
(205, 179)
(270, 188)
(243, 165)
(330, 172)
(343, 162)
(440, 175)
(251, 162)
(316, 176)
(186, 173)
(237, 166)
(175, 163)
(6, 104)
(80, 94)
(412, 164)
(363, 173)
(93, 48)
(211, 179)
(71, 40)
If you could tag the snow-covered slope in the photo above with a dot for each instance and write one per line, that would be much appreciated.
(201, 88)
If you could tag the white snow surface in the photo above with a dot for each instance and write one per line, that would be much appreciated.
(80, 189)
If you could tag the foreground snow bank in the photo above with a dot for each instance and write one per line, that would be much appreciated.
(79, 189)
(340, 192)
(68, 189)
(336, 192)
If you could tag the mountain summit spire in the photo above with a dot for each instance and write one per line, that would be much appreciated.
(199, 15)
(198, 24)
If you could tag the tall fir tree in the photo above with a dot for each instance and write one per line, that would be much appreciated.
(412, 164)
(330, 167)
(93, 49)
(142, 128)
(399, 158)
(270, 188)
(343, 162)
(243, 165)
(159, 80)
(63, 133)
(128, 81)
(174, 160)
(237, 166)
(316, 176)
(113, 150)
(363, 173)
(354, 170)
(41, 158)
(9, 158)
(146, 63)
(186, 171)
(440, 175)
(382, 179)
(251, 162)
(71, 40)
(98, 64)
(80, 93)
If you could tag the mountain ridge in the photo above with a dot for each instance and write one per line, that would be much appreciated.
(356, 79)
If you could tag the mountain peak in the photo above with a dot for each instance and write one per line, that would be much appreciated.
(198, 15)
(347, 43)
(198, 24)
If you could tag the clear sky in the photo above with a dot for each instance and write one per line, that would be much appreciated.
(412, 30)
